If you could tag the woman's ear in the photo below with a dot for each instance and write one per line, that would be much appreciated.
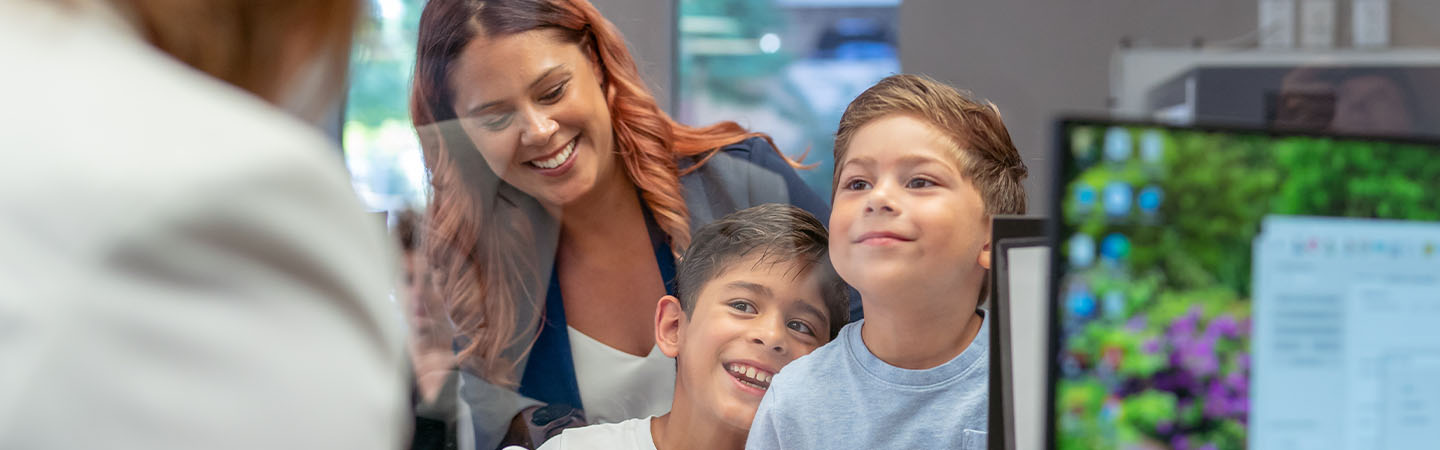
(670, 324)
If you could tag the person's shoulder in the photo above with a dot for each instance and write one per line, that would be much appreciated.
(758, 151)
(626, 435)
(159, 115)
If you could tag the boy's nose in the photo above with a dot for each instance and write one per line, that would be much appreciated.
(884, 208)
(771, 339)
(879, 202)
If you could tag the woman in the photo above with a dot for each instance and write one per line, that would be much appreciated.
(563, 193)
(185, 263)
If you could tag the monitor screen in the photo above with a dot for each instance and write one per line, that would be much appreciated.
(1219, 289)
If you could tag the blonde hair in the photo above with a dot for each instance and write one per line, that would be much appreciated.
(987, 157)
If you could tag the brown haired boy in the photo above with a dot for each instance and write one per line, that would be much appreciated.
(920, 169)
(755, 292)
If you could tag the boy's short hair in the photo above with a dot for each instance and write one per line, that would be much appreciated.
(982, 146)
(781, 234)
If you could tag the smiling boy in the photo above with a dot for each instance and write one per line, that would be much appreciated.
(756, 291)
(920, 170)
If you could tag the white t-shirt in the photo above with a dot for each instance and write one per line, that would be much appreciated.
(617, 386)
(633, 434)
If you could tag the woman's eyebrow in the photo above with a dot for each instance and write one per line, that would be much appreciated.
(548, 72)
(487, 105)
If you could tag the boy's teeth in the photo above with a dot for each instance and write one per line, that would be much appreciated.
(751, 373)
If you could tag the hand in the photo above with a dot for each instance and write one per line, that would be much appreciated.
(534, 425)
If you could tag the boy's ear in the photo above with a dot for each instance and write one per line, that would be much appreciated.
(985, 256)
(669, 325)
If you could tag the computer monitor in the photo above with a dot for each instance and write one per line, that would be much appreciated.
(1230, 288)
(1018, 306)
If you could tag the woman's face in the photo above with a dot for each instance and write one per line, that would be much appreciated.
(533, 106)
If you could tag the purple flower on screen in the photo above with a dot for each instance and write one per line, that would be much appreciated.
(1175, 381)
(1198, 357)
(1240, 409)
(1223, 326)
(1185, 325)
(1179, 442)
(1217, 401)
(1151, 346)
(1165, 427)
(1237, 382)
(1137, 324)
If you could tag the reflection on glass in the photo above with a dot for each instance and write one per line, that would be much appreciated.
(381, 149)
(784, 67)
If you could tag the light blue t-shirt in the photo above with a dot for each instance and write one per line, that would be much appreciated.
(842, 397)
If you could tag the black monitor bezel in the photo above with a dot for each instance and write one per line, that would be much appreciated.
(1004, 228)
(1002, 407)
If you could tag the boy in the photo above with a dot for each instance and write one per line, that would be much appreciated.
(919, 170)
(755, 292)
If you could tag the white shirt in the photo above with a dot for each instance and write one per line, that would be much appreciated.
(183, 264)
(633, 434)
(615, 385)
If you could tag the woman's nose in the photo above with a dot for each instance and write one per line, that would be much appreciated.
(539, 127)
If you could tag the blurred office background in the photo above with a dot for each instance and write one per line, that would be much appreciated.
(789, 67)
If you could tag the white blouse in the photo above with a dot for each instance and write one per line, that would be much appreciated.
(616, 386)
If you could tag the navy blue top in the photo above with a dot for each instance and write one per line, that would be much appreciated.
(549, 375)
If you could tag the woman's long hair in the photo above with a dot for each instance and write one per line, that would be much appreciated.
(482, 239)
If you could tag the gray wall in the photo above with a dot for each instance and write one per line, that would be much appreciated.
(1039, 58)
(649, 27)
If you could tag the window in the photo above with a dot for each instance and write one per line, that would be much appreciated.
(786, 68)
(381, 148)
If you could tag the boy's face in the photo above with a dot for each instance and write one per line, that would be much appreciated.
(903, 215)
(748, 322)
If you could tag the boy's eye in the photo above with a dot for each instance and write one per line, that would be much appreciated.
(919, 183)
(743, 306)
(856, 185)
(554, 94)
(801, 327)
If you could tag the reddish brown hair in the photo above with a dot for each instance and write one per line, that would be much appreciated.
(483, 241)
(240, 41)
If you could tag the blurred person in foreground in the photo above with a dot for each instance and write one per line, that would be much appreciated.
(183, 262)
(441, 420)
